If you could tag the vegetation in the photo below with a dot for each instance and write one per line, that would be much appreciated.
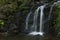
(9, 7)
(57, 21)
(10, 13)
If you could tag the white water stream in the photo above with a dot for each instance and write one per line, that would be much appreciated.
(41, 25)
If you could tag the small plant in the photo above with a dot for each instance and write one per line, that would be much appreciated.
(59, 33)
(1, 22)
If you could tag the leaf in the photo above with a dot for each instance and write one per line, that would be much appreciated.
(59, 33)
(1, 22)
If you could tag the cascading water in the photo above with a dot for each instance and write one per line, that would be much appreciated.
(27, 20)
(33, 27)
(41, 8)
(52, 8)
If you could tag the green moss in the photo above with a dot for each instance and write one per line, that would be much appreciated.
(57, 21)
(1, 22)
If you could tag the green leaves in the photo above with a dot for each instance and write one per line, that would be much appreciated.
(1, 22)
(12, 5)
(57, 23)
(59, 33)
(3, 1)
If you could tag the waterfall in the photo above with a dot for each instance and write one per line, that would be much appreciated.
(41, 17)
(41, 9)
(27, 19)
(38, 12)
(52, 9)
(34, 25)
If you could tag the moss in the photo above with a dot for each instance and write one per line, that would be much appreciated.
(1, 22)
(57, 21)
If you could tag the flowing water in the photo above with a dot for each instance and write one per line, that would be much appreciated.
(52, 8)
(40, 10)
(32, 27)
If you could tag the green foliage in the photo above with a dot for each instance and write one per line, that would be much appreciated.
(57, 13)
(9, 7)
(12, 5)
(59, 33)
(1, 22)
